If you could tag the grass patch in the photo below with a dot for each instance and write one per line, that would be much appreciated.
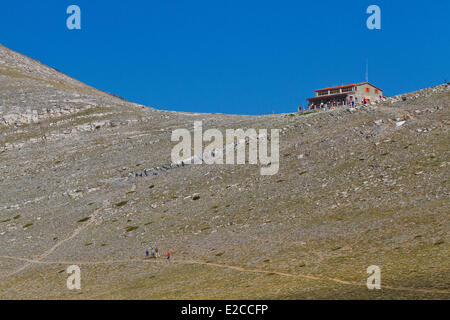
(121, 203)
(131, 228)
(305, 113)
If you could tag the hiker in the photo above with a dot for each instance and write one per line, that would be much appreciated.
(157, 252)
(153, 253)
(168, 256)
(146, 253)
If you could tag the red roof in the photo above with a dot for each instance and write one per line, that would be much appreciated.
(344, 86)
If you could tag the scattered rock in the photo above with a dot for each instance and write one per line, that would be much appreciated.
(378, 122)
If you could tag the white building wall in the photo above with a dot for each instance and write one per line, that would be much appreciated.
(372, 95)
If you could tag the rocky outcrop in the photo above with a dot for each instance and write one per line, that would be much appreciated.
(427, 92)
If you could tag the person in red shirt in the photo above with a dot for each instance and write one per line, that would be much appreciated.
(168, 256)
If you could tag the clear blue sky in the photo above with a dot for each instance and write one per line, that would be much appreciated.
(244, 57)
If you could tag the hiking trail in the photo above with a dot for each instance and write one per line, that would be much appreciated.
(217, 265)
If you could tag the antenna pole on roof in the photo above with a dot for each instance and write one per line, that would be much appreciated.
(367, 70)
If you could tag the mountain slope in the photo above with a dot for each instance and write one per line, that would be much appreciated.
(86, 179)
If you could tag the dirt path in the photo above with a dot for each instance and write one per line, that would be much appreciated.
(223, 266)
(40, 260)
(77, 231)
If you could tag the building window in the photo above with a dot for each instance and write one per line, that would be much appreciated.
(367, 89)
(376, 91)
(349, 89)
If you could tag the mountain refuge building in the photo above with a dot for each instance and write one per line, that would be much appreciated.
(345, 95)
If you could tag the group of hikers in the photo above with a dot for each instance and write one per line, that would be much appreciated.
(333, 104)
(154, 253)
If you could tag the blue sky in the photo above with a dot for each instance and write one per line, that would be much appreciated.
(240, 57)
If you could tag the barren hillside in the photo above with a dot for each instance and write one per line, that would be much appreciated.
(86, 178)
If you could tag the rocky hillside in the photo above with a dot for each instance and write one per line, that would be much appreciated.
(86, 179)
